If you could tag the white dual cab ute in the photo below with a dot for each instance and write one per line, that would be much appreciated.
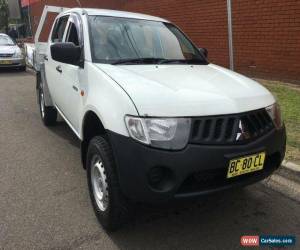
(156, 120)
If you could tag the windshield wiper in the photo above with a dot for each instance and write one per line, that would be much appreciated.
(154, 60)
(182, 61)
(149, 60)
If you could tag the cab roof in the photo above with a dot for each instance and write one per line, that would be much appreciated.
(115, 13)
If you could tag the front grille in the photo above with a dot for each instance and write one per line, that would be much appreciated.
(230, 129)
(6, 55)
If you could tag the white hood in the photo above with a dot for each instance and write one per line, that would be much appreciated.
(8, 49)
(185, 90)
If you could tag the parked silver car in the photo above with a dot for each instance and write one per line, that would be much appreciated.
(11, 56)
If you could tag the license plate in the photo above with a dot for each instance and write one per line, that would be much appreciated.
(246, 164)
(5, 62)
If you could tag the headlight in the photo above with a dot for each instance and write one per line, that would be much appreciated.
(275, 114)
(18, 54)
(166, 133)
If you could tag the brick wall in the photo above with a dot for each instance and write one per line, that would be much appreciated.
(266, 33)
(267, 38)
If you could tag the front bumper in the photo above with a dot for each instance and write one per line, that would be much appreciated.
(192, 172)
(12, 62)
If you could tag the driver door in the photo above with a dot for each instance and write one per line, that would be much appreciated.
(53, 76)
(71, 77)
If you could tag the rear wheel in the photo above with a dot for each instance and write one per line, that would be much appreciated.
(111, 207)
(48, 114)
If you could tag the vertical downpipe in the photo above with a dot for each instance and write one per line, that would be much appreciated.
(230, 38)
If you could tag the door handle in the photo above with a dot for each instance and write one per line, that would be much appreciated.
(58, 68)
(75, 88)
(46, 58)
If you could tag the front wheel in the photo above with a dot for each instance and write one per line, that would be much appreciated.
(48, 114)
(111, 207)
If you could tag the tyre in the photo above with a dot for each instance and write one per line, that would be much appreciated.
(111, 207)
(48, 114)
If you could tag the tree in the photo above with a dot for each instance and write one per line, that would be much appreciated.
(3, 15)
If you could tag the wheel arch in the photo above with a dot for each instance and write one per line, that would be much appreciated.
(92, 125)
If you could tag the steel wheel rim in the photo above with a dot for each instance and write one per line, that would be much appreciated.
(42, 103)
(99, 183)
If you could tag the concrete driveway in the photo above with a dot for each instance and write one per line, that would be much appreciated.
(44, 202)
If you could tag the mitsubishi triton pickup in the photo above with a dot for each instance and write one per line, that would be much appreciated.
(156, 120)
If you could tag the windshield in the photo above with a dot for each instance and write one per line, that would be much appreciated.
(122, 40)
(6, 41)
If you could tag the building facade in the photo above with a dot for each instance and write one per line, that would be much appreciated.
(266, 34)
(25, 10)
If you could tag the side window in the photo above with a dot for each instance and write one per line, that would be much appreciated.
(72, 35)
(59, 29)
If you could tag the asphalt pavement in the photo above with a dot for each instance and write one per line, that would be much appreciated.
(44, 202)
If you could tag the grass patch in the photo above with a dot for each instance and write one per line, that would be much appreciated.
(288, 96)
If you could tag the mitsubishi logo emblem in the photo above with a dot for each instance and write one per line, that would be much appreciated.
(242, 134)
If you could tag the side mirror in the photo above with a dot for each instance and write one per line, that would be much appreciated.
(204, 51)
(66, 53)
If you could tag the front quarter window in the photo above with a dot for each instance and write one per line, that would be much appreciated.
(59, 29)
